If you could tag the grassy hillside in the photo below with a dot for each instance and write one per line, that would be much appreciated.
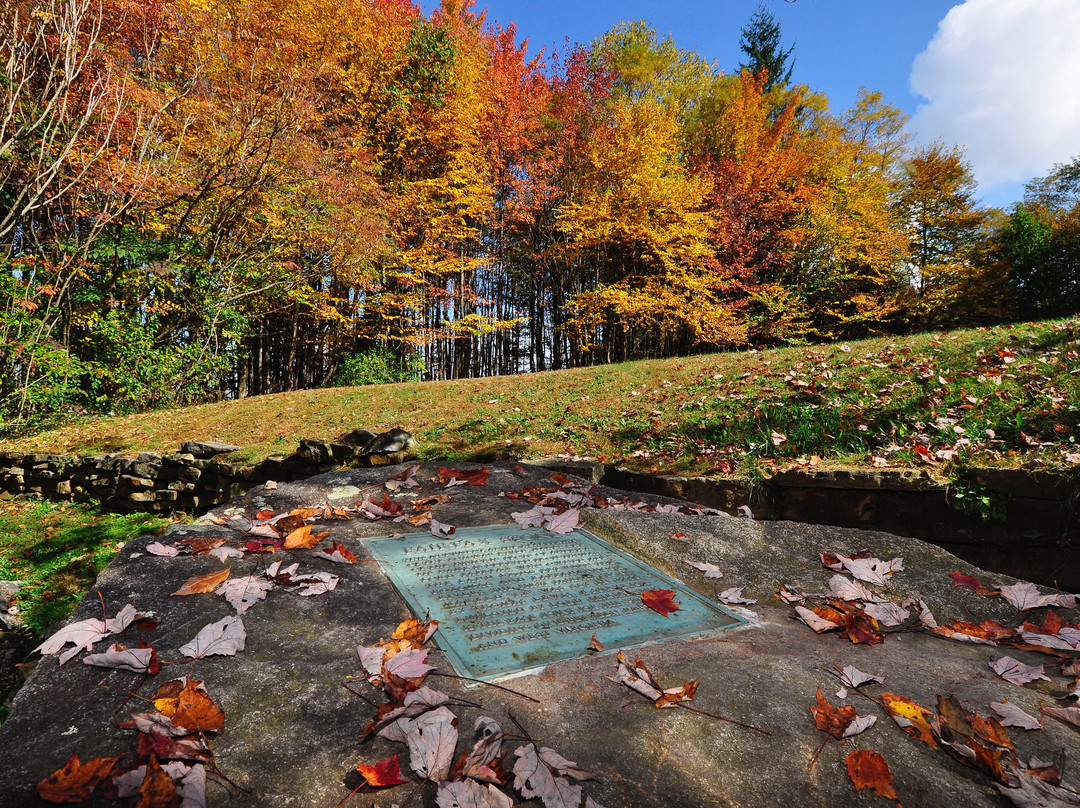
(1001, 395)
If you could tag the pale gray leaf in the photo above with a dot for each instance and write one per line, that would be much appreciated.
(225, 638)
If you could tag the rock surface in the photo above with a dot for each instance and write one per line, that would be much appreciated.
(291, 729)
(207, 448)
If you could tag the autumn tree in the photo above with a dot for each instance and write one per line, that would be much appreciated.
(937, 208)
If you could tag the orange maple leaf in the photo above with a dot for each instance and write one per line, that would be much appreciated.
(204, 583)
(75, 781)
(868, 769)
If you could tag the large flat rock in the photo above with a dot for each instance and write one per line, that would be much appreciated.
(291, 727)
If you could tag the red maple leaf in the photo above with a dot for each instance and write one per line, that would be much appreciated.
(382, 774)
(660, 600)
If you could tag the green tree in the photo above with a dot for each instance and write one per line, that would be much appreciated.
(1040, 244)
(764, 50)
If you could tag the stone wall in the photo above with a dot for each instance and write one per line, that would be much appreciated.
(180, 481)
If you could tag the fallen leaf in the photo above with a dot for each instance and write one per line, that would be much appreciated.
(846, 589)
(534, 517)
(225, 637)
(532, 778)
(868, 769)
(710, 570)
(853, 677)
(409, 664)
(393, 718)
(986, 633)
(564, 522)
(595, 644)
(913, 718)
(223, 554)
(1069, 714)
(383, 774)
(190, 783)
(733, 595)
(440, 529)
(157, 789)
(888, 614)
(243, 593)
(313, 583)
(487, 747)
(165, 748)
(303, 538)
(199, 546)
(1013, 716)
(816, 621)
(1036, 791)
(189, 707)
(1025, 595)
(638, 678)
(974, 741)
(136, 660)
(159, 549)
(677, 536)
(201, 584)
(470, 794)
(661, 601)
(82, 634)
(75, 781)
(1017, 672)
(463, 476)
(431, 738)
(832, 720)
(970, 581)
(415, 631)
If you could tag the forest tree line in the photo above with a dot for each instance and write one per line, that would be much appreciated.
(205, 199)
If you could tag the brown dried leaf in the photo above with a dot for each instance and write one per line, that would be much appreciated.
(157, 789)
(201, 584)
(75, 781)
(831, 719)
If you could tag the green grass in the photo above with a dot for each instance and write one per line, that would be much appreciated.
(844, 404)
(57, 549)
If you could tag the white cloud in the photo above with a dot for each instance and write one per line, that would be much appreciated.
(1002, 78)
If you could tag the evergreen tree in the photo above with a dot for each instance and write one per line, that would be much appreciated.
(764, 51)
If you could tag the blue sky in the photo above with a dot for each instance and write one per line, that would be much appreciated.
(999, 77)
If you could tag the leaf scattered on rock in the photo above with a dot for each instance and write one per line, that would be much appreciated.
(225, 637)
(243, 593)
(638, 678)
(338, 553)
(201, 584)
(971, 582)
(868, 769)
(733, 596)
(853, 677)
(383, 774)
(75, 781)
(911, 717)
(1012, 670)
(1013, 716)
(710, 570)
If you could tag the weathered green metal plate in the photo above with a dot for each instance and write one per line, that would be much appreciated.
(508, 600)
